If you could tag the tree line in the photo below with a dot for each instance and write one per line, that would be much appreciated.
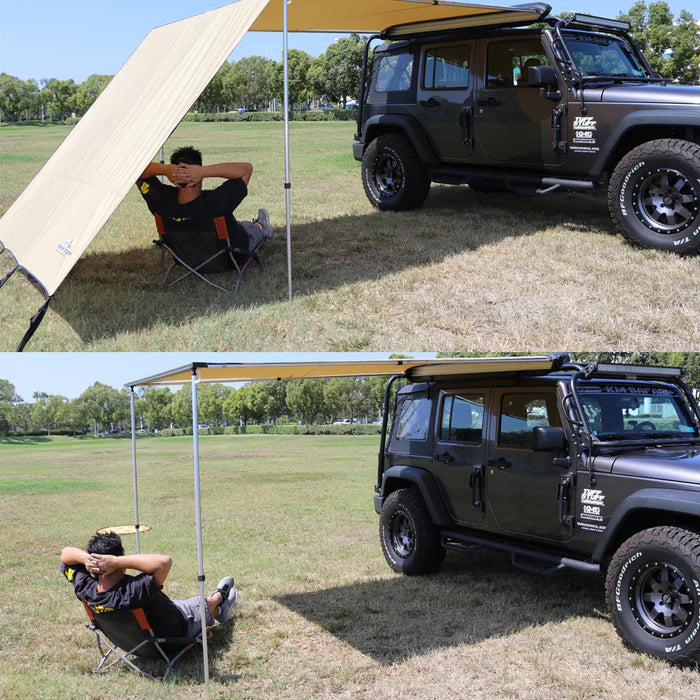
(252, 83)
(102, 409)
(672, 46)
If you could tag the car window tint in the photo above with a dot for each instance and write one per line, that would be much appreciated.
(462, 419)
(446, 68)
(394, 73)
(520, 413)
(414, 415)
(508, 63)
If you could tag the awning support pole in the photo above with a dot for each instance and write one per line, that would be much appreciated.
(133, 469)
(287, 183)
(34, 324)
(198, 516)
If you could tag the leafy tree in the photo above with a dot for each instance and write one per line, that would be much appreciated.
(339, 69)
(50, 412)
(236, 407)
(181, 407)
(8, 393)
(16, 97)
(305, 398)
(89, 90)
(214, 97)
(210, 400)
(155, 407)
(20, 416)
(102, 404)
(249, 82)
(299, 64)
(60, 96)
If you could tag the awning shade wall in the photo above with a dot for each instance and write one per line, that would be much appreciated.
(56, 217)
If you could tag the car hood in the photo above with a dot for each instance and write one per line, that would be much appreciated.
(665, 464)
(644, 93)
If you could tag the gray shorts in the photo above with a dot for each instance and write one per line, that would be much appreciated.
(190, 608)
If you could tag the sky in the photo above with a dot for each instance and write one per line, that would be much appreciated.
(69, 374)
(44, 39)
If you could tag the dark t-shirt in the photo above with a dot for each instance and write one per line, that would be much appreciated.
(131, 592)
(221, 201)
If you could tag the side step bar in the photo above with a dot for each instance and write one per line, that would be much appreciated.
(522, 557)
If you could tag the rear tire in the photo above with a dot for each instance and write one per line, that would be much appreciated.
(654, 196)
(392, 174)
(410, 540)
(653, 593)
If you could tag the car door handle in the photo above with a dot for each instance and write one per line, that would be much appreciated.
(430, 104)
(502, 463)
(445, 457)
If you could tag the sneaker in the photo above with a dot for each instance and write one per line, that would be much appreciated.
(227, 606)
(264, 221)
(225, 585)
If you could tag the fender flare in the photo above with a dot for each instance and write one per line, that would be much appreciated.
(672, 501)
(409, 126)
(646, 117)
(427, 487)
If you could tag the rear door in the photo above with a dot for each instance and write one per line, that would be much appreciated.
(445, 98)
(521, 484)
(459, 453)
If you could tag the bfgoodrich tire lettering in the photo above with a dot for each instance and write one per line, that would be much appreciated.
(393, 176)
(410, 540)
(653, 593)
(654, 196)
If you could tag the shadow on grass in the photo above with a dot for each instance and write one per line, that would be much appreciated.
(24, 440)
(111, 293)
(471, 599)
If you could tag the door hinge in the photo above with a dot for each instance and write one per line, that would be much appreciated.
(558, 114)
(564, 497)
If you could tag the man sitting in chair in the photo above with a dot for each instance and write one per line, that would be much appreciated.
(187, 200)
(99, 577)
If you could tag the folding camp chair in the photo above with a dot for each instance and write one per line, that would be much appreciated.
(127, 633)
(204, 246)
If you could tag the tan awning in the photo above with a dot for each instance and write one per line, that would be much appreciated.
(56, 217)
(370, 16)
(416, 369)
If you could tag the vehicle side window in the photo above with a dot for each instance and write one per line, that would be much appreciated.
(462, 419)
(413, 418)
(394, 73)
(507, 62)
(446, 68)
(520, 413)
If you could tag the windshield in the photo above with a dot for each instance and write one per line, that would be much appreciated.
(603, 55)
(617, 411)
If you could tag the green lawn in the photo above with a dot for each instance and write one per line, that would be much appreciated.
(321, 613)
(474, 271)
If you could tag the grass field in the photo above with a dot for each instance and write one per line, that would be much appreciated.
(474, 271)
(321, 614)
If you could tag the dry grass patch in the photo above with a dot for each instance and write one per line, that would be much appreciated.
(480, 271)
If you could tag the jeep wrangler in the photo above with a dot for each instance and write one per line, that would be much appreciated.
(594, 468)
(569, 104)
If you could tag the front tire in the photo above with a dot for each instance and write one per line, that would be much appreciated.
(653, 593)
(654, 196)
(410, 540)
(392, 174)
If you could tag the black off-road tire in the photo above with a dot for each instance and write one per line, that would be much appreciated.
(410, 540)
(392, 174)
(654, 196)
(653, 593)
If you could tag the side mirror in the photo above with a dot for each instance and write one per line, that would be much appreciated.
(545, 77)
(542, 76)
(549, 439)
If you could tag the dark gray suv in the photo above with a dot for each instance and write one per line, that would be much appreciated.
(594, 468)
(570, 105)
